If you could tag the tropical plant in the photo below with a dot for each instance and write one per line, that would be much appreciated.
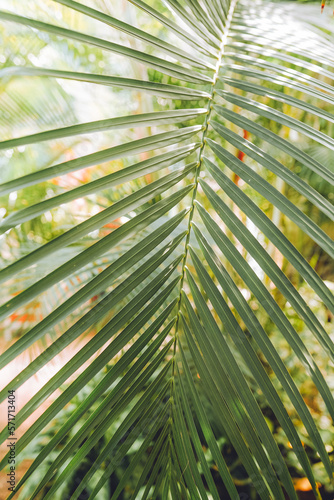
(183, 354)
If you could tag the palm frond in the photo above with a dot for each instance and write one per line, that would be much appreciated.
(177, 333)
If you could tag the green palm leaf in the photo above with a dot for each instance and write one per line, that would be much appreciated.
(181, 355)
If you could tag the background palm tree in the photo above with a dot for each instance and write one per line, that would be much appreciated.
(181, 235)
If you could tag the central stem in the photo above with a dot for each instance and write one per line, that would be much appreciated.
(199, 164)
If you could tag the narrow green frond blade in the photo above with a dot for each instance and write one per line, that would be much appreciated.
(120, 208)
(246, 350)
(267, 39)
(175, 474)
(223, 412)
(195, 25)
(159, 449)
(273, 233)
(153, 415)
(140, 453)
(263, 342)
(108, 419)
(100, 421)
(26, 214)
(102, 308)
(199, 44)
(277, 141)
(276, 54)
(279, 117)
(201, 15)
(217, 348)
(114, 179)
(269, 266)
(157, 470)
(180, 430)
(85, 353)
(277, 168)
(275, 197)
(166, 47)
(134, 225)
(128, 149)
(273, 310)
(286, 76)
(162, 65)
(95, 286)
(206, 428)
(322, 95)
(187, 474)
(160, 89)
(111, 376)
(130, 121)
(182, 402)
(281, 97)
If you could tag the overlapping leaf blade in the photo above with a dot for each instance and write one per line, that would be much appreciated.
(171, 278)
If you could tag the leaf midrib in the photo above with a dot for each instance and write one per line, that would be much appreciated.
(199, 165)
